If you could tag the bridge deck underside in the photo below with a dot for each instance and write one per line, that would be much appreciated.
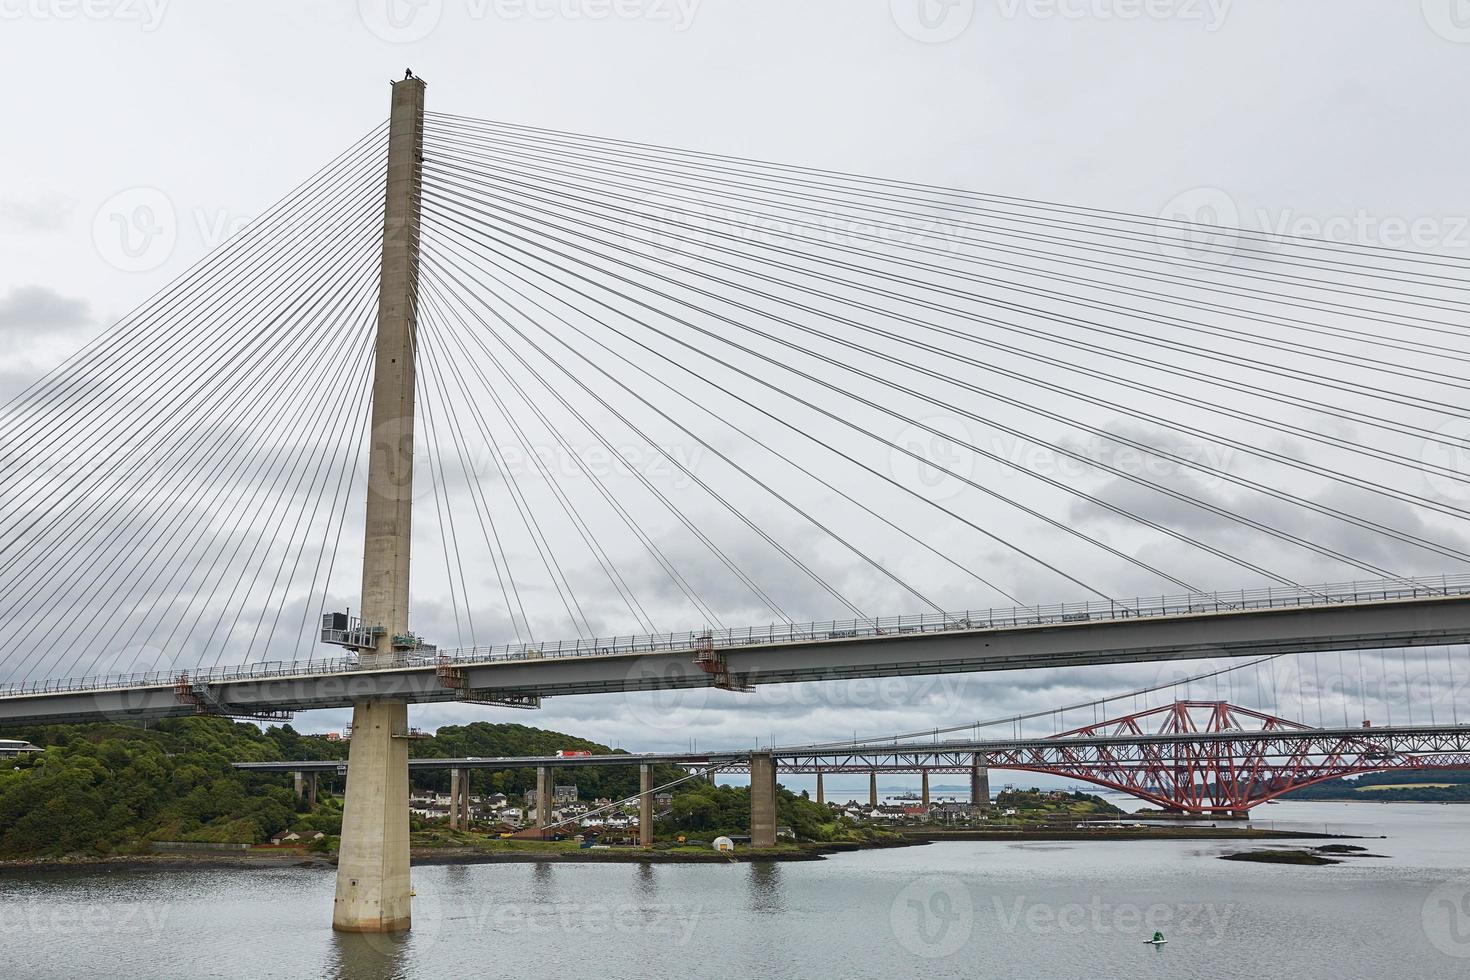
(1256, 632)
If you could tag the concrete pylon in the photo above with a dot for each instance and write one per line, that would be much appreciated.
(924, 793)
(464, 799)
(762, 799)
(645, 805)
(372, 866)
(979, 782)
(306, 787)
(456, 822)
(544, 791)
(821, 796)
(873, 790)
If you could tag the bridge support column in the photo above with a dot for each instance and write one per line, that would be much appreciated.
(821, 796)
(762, 799)
(645, 805)
(544, 792)
(454, 818)
(306, 787)
(979, 782)
(924, 791)
(873, 790)
(464, 799)
(372, 866)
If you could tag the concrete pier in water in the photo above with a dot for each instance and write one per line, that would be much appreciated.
(762, 800)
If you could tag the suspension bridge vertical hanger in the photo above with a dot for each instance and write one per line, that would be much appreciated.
(372, 869)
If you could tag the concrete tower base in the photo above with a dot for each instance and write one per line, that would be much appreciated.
(372, 866)
(762, 800)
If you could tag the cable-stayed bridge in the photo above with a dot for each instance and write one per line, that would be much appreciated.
(491, 345)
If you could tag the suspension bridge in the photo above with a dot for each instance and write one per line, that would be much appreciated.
(493, 344)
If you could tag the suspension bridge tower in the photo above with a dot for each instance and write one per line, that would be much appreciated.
(372, 870)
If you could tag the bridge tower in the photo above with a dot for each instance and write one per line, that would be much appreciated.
(372, 868)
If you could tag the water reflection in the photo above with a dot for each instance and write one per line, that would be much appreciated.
(764, 887)
(645, 882)
(355, 956)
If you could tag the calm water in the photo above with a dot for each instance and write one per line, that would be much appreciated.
(947, 910)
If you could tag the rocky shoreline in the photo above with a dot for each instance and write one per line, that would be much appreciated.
(277, 858)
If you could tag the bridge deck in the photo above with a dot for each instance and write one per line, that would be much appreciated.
(1243, 624)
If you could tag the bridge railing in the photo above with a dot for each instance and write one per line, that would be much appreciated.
(1242, 600)
(1060, 613)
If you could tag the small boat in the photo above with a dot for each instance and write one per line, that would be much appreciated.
(1157, 940)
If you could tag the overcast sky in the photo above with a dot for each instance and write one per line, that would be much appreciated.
(1343, 117)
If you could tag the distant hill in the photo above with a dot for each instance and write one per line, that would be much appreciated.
(1404, 786)
(108, 788)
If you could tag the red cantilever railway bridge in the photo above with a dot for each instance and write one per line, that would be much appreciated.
(1188, 756)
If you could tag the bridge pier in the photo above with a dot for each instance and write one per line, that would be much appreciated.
(459, 799)
(821, 796)
(645, 805)
(762, 799)
(544, 792)
(372, 863)
(306, 787)
(454, 799)
(979, 782)
(464, 800)
(924, 791)
(873, 790)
